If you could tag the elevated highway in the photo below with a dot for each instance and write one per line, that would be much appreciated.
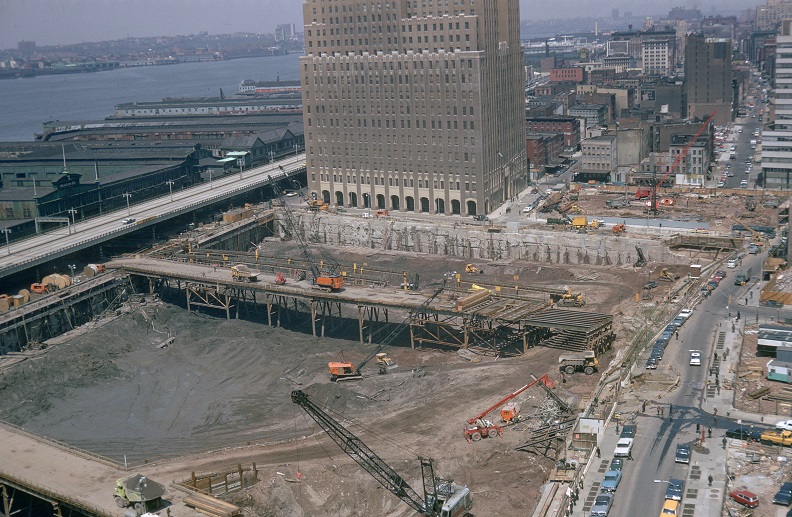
(44, 247)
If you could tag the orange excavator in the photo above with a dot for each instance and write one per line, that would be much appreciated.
(479, 427)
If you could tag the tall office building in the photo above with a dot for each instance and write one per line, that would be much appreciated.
(414, 105)
(776, 154)
(769, 16)
(708, 78)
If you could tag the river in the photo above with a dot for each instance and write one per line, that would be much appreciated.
(26, 103)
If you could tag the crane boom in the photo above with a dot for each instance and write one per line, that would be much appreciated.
(544, 379)
(679, 158)
(365, 457)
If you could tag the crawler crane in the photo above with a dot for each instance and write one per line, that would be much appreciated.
(479, 427)
(442, 498)
(325, 278)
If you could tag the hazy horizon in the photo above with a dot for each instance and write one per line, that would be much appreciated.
(65, 22)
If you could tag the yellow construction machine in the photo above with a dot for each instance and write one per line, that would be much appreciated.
(470, 268)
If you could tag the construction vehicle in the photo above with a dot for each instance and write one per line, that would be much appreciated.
(280, 279)
(442, 497)
(758, 238)
(579, 222)
(317, 204)
(381, 213)
(470, 268)
(668, 276)
(619, 229)
(777, 437)
(342, 371)
(641, 262)
(750, 203)
(325, 277)
(139, 492)
(39, 288)
(242, 273)
(585, 362)
(479, 427)
(595, 223)
(572, 299)
(743, 277)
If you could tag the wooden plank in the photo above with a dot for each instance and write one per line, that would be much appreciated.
(211, 505)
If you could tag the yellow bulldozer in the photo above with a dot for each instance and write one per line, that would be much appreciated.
(470, 268)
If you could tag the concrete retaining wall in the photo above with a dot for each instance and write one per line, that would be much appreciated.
(475, 242)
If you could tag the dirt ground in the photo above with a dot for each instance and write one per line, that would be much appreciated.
(225, 385)
(751, 378)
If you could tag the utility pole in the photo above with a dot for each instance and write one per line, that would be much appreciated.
(127, 195)
(240, 162)
(73, 211)
(6, 231)
(170, 187)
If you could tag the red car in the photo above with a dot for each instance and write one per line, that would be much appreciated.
(745, 498)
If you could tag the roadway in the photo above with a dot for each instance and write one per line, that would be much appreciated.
(26, 253)
(657, 437)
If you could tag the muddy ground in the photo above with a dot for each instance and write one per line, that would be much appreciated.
(226, 384)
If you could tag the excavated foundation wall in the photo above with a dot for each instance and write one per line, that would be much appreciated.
(473, 242)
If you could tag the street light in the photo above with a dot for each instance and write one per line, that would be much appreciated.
(296, 147)
(6, 231)
(72, 211)
(210, 179)
(240, 162)
(170, 187)
(272, 156)
(127, 195)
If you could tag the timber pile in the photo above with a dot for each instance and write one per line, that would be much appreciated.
(209, 505)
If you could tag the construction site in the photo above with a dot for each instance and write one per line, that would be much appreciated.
(399, 339)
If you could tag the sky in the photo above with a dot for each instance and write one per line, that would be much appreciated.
(53, 22)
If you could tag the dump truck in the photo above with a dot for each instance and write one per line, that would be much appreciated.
(242, 273)
(139, 492)
(585, 362)
(777, 437)
(742, 277)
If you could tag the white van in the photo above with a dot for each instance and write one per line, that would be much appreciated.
(734, 262)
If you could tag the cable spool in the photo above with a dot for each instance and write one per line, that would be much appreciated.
(25, 294)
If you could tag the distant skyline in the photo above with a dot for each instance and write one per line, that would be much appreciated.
(64, 22)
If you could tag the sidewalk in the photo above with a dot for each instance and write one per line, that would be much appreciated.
(708, 458)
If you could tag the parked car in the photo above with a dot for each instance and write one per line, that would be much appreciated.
(721, 274)
(660, 343)
(745, 498)
(623, 448)
(682, 453)
(784, 494)
(651, 363)
(685, 313)
(628, 431)
(480, 218)
(610, 481)
(678, 321)
(675, 489)
(785, 425)
(745, 433)
(657, 353)
(616, 464)
(602, 505)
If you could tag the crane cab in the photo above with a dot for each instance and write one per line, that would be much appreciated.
(343, 371)
(510, 413)
(327, 282)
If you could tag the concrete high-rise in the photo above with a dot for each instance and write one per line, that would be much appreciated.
(708, 78)
(414, 105)
(776, 153)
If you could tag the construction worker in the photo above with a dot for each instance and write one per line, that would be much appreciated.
(709, 432)
(709, 479)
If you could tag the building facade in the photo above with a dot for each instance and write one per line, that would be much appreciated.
(567, 125)
(769, 16)
(414, 106)
(776, 147)
(657, 57)
(708, 78)
(600, 154)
